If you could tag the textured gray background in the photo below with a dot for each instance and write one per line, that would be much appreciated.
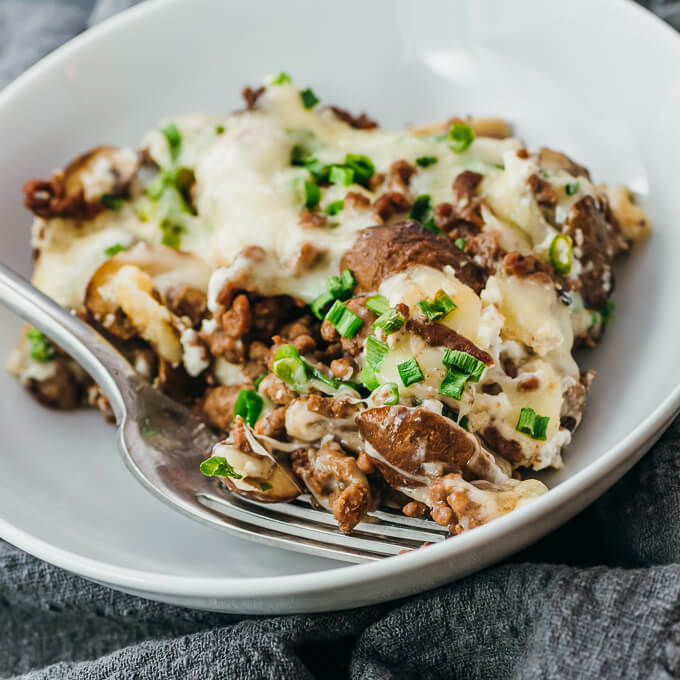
(599, 598)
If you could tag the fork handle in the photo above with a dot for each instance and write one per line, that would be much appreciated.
(95, 354)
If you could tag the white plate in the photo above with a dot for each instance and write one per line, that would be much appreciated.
(599, 80)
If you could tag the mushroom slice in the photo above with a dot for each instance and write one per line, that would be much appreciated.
(257, 474)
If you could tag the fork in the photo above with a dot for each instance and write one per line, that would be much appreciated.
(163, 444)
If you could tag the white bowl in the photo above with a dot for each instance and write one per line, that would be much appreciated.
(598, 80)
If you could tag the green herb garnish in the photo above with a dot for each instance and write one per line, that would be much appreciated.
(440, 306)
(309, 99)
(220, 130)
(390, 321)
(259, 379)
(378, 304)
(111, 202)
(281, 78)
(312, 195)
(266, 486)
(426, 161)
(174, 138)
(460, 137)
(455, 358)
(249, 406)
(410, 372)
(362, 167)
(218, 466)
(376, 351)
(464, 423)
(339, 174)
(114, 250)
(42, 350)
(453, 384)
(533, 425)
(337, 288)
(421, 209)
(460, 243)
(346, 322)
(560, 254)
(335, 207)
(571, 188)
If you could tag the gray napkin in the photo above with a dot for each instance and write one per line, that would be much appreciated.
(599, 598)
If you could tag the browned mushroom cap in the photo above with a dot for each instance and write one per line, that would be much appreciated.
(411, 446)
(75, 192)
(379, 252)
(553, 161)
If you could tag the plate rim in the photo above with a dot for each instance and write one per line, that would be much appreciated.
(611, 464)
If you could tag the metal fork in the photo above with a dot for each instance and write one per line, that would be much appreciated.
(163, 444)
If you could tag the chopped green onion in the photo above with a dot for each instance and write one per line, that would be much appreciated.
(218, 466)
(111, 202)
(338, 288)
(259, 379)
(455, 358)
(453, 384)
(499, 166)
(460, 243)
(172, 234)
(390, 321)
(560, 254)
(442, 305)
(281, 78)
(608, 311)
(345, 320)
(220, 130)
(394, 389)
(174, 139)
(376, 351)
(249, 406)
(318, 170)
(362, 167)
(289, 367)
(341, 287)
(312, 195)
(571, 188)
(543, 174)
(378, 304)
(266, 486)
(42, 349)
(426, 161)
(335, 207)
(533, 425)
(309, 99)
(410, 372)
(421, 209)
(320, 304)
(460, 137)
(339, 174)
(464, 423)
(114, 249)
(368, 378)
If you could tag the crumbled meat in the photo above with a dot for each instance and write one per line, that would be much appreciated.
(574, 401)
(410, 438)
(272, 424)
(276, 390)
(343, 368)
(335, 481)
(184, 300)
(328, 331)
(364, 463)
(492, 388)
(238, 436)
(177, 383)
(235, 322)
(269, 314)
(529, 384)
(330, 407)
(415, 509)
(305, 344)
(509, 366)
(312, 220)
(400, 174)
(376, 180)
(438, 335)
(447, 219)
(468, 204)
(221, 345)
(597, 242)
(307, 257)
(522, 153)
(360, 122)
(546, 196)
(555, 161)
(96, 398)
(485, 250)
(391, 203)
(251, 96)
(379, 252)
(217, 406)
(62, 390)
(357, 201)
(524, 266)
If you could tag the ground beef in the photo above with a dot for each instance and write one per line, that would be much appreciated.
(360, 122)
(524, 266)
(509, 449)
(354, 346)
(251, 96)
(379, 252)
(391, 203)
(185, 301)
(275, 389)
(555, 161)
(217, 405)
(273, 424)
(63, 390)
(48, 198)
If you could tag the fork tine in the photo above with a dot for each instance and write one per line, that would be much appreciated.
(311, 530)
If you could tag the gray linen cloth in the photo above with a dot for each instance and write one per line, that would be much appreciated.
(599, 598)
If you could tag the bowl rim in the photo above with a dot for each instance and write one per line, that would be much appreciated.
(244, 588)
